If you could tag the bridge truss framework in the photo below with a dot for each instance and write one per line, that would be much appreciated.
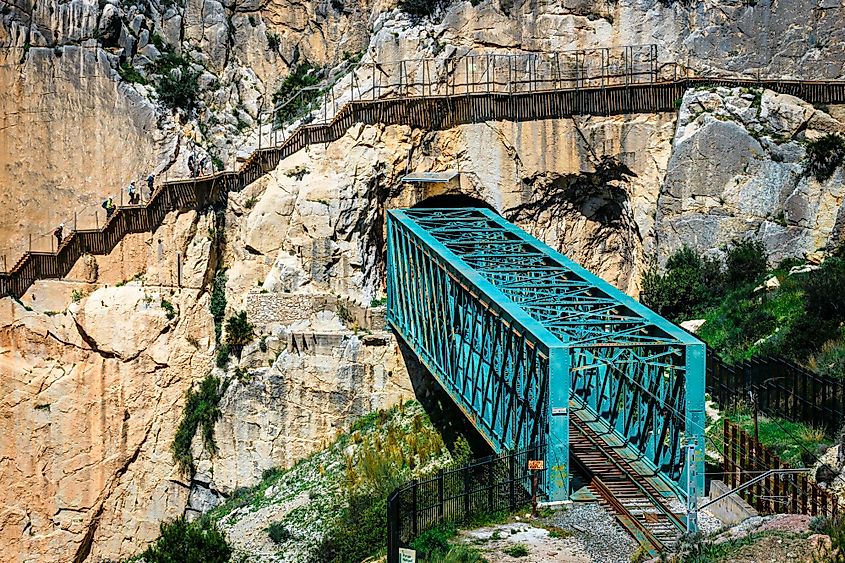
(519, 335)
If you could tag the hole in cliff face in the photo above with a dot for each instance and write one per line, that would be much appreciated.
(599, 196)
(452, 201)
(586, 216)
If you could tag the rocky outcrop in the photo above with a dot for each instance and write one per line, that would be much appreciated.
(739, 168)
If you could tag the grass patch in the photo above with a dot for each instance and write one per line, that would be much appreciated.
(794, 442)
(517, 550)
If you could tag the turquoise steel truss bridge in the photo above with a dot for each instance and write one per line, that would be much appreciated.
(521, 337)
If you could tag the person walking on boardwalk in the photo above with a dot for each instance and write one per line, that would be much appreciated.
(132, 194)
(58, 232)
(191, 165)
(108, 205)
(150, 181)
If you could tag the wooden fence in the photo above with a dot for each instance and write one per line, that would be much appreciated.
(781, 388)
(746, 458)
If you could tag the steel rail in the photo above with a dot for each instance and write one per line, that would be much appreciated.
(637, 527)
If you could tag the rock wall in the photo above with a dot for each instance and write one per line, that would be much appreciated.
(97, 379)
(740, 169)
(70, 134)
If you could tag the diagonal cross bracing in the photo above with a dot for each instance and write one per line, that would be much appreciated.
(517, 333)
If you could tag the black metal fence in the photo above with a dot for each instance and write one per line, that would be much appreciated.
(459, 495)
(780, 387)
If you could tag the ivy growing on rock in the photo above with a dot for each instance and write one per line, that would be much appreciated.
(202, 410)
(217, 304)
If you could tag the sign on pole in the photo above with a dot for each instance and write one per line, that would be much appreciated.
(407, 555)
(536, 464)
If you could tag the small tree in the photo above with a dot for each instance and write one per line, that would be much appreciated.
(197, 542)
(239, 332)
(746, 261)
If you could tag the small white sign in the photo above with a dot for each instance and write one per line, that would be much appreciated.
(407, 555)
(558, 411)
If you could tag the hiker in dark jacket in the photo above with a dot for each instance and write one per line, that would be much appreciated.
(58, 232)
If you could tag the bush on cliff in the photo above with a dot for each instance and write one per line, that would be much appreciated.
(420, 8)
(183, 542)
(176, 82)
(239, 332)
(201, 410)
(825, 155)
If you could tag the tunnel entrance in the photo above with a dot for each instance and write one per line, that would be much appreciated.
(453, 201)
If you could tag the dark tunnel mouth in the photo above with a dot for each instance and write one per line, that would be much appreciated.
(453, 201)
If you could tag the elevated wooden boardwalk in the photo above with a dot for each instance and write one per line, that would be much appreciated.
(436, 112)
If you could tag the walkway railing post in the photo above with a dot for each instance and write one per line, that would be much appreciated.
(30, 242)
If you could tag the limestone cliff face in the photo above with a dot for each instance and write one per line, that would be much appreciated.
(91, 393)
(739, 168)
(95, 375)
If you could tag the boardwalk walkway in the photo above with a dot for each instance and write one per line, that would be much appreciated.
(429, 104)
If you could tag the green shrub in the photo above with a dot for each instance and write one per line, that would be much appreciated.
(420, 8)
(169, 309)
(434, 541)
(201, 410)
(688, 284)
(75, 295)
(239, 332)
(823, 290)
(302, 76)
(825, 155)
(830, 362)
(217, 303)
(176, 82)
(358, 532)
(273, 41)
(461, 452)
(278, 533)
(221, 359)
(517, 550)
(745, 262)
(197, 542)
(130, 74)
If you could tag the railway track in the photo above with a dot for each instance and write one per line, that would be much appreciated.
(637, 504)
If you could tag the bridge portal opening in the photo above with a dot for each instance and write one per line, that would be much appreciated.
(455, 200)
